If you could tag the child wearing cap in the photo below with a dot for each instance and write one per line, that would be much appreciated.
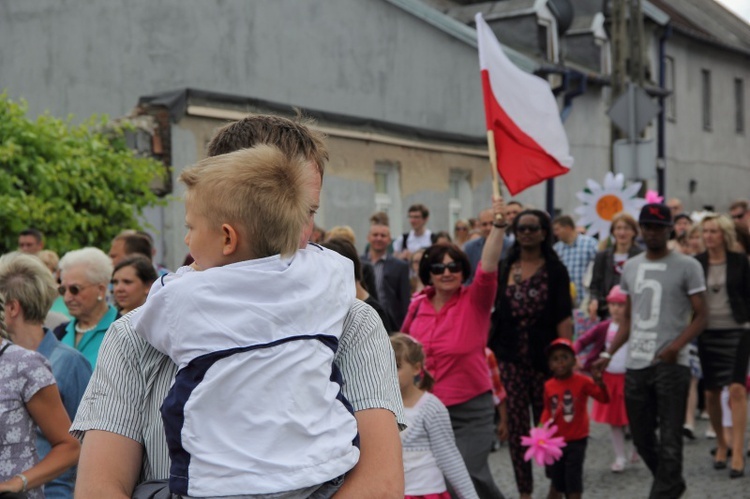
(565, 402)
(601, 337)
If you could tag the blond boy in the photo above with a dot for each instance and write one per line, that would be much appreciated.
(256, 407)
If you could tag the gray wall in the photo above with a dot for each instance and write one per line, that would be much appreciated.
(356, 57)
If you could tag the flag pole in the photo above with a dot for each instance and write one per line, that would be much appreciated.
(493, 165)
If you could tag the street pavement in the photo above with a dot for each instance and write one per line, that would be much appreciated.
(599, 482)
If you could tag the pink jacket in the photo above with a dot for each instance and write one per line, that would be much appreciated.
(596, 336)
(454, 338)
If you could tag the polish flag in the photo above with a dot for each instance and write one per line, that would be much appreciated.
(530, 140)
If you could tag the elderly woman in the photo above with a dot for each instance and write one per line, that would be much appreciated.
(29, 290)
(724, 347)
(131, 282)
(608, 263)
(533, 308)
(452, 322)
(84, 277)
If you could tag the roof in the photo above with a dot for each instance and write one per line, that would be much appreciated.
(432, 12)
(177, 102)
(707, 21)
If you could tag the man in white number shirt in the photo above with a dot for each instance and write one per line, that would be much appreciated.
(665, 310)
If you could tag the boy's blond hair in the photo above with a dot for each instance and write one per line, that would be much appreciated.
(260, 191)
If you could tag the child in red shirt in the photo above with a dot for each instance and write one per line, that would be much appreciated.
(565, 402)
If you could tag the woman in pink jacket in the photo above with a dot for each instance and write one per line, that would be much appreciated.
(452, 322)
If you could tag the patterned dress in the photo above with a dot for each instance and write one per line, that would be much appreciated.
(22, 374)
(524, 384)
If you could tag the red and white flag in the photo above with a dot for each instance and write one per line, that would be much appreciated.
(530, 139)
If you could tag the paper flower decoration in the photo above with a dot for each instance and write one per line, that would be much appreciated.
(543, 446)
(602, 202)
(653, 197)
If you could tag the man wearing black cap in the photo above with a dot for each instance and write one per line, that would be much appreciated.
(665, 289)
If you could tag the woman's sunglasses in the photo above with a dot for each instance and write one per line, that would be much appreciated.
(439, 268)
(73, 288)
(528, 228)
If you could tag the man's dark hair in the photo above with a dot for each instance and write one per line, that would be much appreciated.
(137, 244)
(294, 137)
(36, 233)
(347, 249)
(142, 265)
(565, 221)
(421, 209)
(517, 203)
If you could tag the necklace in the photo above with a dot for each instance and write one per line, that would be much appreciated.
(80, 330)
(517, 273)
(718, 272)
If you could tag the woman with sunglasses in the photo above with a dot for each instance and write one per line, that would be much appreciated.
(533, 308)
(84, 277)
(131, 282)
(452, 322)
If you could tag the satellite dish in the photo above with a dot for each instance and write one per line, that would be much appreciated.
(563, 12)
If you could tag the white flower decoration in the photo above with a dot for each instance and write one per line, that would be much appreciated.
(602, 203)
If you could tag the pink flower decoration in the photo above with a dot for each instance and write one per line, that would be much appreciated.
(653, 197)
(542, 444)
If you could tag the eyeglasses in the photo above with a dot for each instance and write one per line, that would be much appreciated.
(439, 268)
(528, 228)
(73, 288)
(461, 228)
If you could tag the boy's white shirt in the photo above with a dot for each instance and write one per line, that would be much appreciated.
(286, 388)
(317, 271)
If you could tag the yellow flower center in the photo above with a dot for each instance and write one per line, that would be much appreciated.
(608, 206)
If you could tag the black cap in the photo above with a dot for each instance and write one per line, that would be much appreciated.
(655, 213)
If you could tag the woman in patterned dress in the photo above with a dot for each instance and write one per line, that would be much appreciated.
(533, 308)
(29, 398)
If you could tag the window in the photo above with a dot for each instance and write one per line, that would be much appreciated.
(670, 102)
(739, 105)
(388, 193)
(706, 93)
(460, 197)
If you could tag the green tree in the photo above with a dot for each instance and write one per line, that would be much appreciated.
(79, 184)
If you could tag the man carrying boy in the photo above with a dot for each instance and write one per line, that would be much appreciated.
(124, 442)
(664, 290)
(565, 403)
(263, 354)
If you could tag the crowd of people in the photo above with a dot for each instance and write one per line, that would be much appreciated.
(286, 364)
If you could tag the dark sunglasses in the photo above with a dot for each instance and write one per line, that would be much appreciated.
(439, 268)
(738, 216)
(528, 228)
(73, 288)
(462, 228)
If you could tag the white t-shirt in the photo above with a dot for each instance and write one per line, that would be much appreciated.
(413, 241)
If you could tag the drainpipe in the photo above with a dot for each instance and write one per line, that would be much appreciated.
(661, 162)
(568, 97)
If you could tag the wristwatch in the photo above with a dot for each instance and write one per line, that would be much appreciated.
(605, 355)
